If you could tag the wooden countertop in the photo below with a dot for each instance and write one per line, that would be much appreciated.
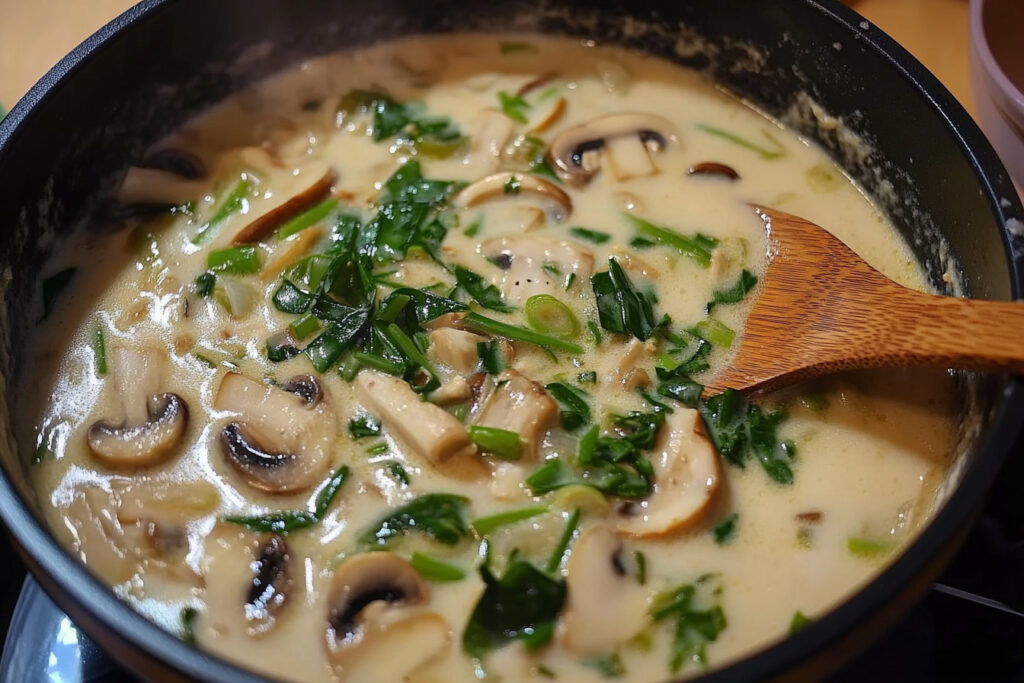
(37, 33)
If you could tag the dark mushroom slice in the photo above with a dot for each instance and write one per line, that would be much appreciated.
(271, 580)
(375, 608)
(495, 187)
(299, 192)
(282, 440)
(176, 161)
(622, 141)
(714, 168)
(120, 445)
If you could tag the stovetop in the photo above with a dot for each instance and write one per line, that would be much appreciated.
(970, 626)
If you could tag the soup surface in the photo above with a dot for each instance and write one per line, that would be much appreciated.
(391, 371)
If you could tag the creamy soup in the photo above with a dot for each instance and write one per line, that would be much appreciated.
(390, 369)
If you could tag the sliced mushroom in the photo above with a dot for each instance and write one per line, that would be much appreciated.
(605, 605)
(551, 117)
(714, 168)
(154, 515)
(153, 422)
(626, 367)
(288, 252)
(455, 389)
(520, 405)
(428, 430)
(496, 186)
(375, 610)
(158, 186)
(283, 441)
(626, 140)
(686, 476)
(311, 184)
(454, 348)
(492, 134)
(524, 257)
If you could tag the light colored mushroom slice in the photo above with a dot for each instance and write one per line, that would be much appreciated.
(492, 134)
(157, 186)
(520, 405)
(283, 440)
(625, 367)
(454, 348)
(154, 514)
(249, 581)
(523, 259)
(154, 422)
(97, 537)
(550, 117)
(686, 476)
(375, 610)
(455, 389)
(506, 185)
(298, 192)
(428, 430)
(288, 252)
(625, 139)
(605, 605)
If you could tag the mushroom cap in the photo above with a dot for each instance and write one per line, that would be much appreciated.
(569, 146)
(282, 441)
(310, 185)
(271, 580)
(493, 187)
(686, 477)
(147, 444)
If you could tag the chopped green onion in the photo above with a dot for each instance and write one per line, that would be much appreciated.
(491, 356)
(514, 107)
(398, 472)
(595, 236)
(479, 323)
(363, 425)
(863, 547)
(766, 154)
(501, 443)
(304, 326)
(587, 377)
(799, 621)
(548, 315)
(377, 449)
(307, 218)
(433, 569)
(241, 260)
(697, 247)
(595, 330)
(408, 347)
(231, 203)
(188, 618)
(99, 349)
(641, 567)
(555, 561)
(485, 525)
(205, 284)
(474, 227)
(381, 363)
(716, 332)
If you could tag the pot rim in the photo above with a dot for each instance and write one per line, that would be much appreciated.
(48, 559)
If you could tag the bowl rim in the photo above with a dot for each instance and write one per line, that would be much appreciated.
(76, 585)
(991, 66)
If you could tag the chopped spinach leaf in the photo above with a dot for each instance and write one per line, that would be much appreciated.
(514, 107)
(694, 628)
(594, 236)
(491, 356)
(587, 377)
(697, 247)
(734, 294)
(439, 515)
(725, 530)
(677, 384)
(286, 521)
(433, 569)
(363, 425)
(621, 308)
(431, 135)
(484, 293)
(739, 429)
(513, 185)
(205, 284)
(573, 404)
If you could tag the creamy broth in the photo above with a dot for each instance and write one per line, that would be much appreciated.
(166, 513)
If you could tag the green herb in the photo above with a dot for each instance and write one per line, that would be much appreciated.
(205, 284)
(338, 336)
(307, 218)
(514, 107)
(715, 331)
(551, 269)
(521, 605)
(286, 521)
(379, 363)
(485, 525)
(510, 47)
(548, 315)
(479, 323)
(677, 384)
(433, 569)
(866, 548)
(766, 154)
(573, 404)
(363, 425)
(484, 293)
(501, 443)
(99, 349)
(594, 236)
(609, 666)
(595, 331)
(53, 287)
(406, 216)
(587, 377)
(491, 356)
(740, 429)
(304, 326)
(620, 307)
(432, 135)
(725, 530)
(415, 356)
(798, 621)
(641, 567)
(815, 402)
(188, 618)
(474, 227)
(230, 204)
(241, 260)
(642, 243)
(439, 515)
(513, 185)
(398, 472)
(697, 247)
(694, 628)
(568, 534)
(734, 294)
(379, 448)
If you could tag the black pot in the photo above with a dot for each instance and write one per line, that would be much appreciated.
(145, 73)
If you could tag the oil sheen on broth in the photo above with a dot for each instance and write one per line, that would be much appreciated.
(404, 387)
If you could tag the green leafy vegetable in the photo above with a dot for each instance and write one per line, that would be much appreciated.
(491, 356)
(725, 530)
(484, 293)
(485, 525)
(304, 326)
(501, 443)
(188, 618)
(620, 307)
(694, 628)
(439, 515)
(594, 236)
(241, 260)
(766, 154)
(568, 534)
(229, 204)
(697, 247)
(609, 666)
(99, 349)
(286, 521)
(53, 287)
(867, 548)
(548, 315)
(433, 569)
(573, 404)
(514, 107)
(205, 284)
(641, 567)
(734, 294)
(431, 135)
(307, 218)
(521, 605)
(740, 429)
(363, 425)
(587, 377)
(513, 185)
(798, 621)
(814, 401)
(715, 331)
(595, 331)
(398, 472)
(479, 323)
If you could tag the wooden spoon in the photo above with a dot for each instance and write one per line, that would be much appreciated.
(821, 309)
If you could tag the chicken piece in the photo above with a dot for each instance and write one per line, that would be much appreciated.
(523, 258)
(454, 348)
(520, 405)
